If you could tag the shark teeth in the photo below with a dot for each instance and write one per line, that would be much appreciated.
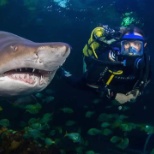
(28, 78)
(30, 75)
(29, 70)
(23, 77)
(33, 70)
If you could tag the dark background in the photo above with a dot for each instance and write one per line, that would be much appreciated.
(46, 22)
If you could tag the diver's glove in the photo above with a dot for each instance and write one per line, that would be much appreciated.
(62, 73)
(128, 97)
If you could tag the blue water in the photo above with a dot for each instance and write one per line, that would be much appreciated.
(71, 21)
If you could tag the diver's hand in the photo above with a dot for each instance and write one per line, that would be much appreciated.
(121, 98)
(129, 97)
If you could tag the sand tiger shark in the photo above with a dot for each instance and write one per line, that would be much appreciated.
(27, 67)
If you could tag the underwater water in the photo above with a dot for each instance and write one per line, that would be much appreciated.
(62, 119)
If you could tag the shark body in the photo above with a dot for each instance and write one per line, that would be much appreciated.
(26, 66)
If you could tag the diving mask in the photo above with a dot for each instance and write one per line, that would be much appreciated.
(132, 47)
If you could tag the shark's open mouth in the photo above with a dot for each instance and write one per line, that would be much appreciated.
(27, 67)
(29, 75)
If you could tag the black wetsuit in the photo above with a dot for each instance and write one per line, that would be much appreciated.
(98, 74)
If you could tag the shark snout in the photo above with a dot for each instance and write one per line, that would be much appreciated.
(65, 49)
(49, 55)
(54, 49)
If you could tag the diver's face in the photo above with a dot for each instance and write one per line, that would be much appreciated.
(137, 45)
(132, 47)
(132, 44)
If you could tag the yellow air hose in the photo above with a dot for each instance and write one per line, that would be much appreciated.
(119, 72)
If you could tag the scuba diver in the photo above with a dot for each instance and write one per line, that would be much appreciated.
(116, 64)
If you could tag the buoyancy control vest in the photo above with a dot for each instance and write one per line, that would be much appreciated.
(99, 72)
(103, 65)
